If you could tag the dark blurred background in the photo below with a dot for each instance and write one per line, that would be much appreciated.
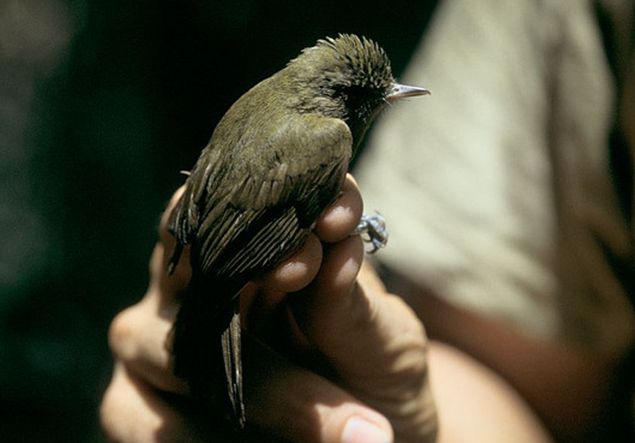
(101, 104)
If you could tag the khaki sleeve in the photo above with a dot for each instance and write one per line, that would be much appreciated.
(496, 189)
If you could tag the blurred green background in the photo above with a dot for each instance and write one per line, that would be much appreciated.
(101, 104)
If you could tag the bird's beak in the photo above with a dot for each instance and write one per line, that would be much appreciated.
(402, 91)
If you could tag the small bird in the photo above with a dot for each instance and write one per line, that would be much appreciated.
(275, 161)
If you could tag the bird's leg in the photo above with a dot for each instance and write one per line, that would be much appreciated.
(373, 230)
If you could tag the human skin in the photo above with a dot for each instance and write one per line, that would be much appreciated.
(568, 387)
(321, 308)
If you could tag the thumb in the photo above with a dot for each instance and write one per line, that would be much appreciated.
(301, 406)
(372, 340)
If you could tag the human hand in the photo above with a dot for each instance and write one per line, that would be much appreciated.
(372, 344)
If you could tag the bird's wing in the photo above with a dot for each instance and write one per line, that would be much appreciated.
(241, 217)
(271, 207)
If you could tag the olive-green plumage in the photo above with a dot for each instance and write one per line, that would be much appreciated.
(275, 161)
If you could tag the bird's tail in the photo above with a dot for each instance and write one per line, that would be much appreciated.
(230, 345)
(206, 346)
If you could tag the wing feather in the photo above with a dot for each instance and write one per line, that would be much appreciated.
(242, 212)
(245, 219)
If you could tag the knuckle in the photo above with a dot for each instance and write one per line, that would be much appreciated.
(109, 411)
(120, 332)
(106, 410)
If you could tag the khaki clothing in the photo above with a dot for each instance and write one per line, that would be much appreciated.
(497, 189)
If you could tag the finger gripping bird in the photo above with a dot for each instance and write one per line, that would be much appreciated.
(275, 161)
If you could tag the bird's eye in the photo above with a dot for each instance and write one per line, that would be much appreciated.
(359, 96)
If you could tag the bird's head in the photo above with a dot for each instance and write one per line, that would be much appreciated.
(347, 77)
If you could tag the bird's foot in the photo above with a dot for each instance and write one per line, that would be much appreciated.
(373, 230)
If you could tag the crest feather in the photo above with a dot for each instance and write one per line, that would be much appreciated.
(363, 58)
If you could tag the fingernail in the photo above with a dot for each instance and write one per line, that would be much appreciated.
(358, 430)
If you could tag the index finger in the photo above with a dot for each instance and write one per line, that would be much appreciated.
(335, 224)
(171, 284)
(342, 216)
